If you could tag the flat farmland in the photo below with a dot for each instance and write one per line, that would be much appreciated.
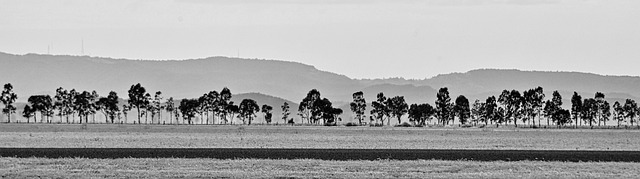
(318, 137)
(305, 168)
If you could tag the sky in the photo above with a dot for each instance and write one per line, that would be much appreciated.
(413, 39)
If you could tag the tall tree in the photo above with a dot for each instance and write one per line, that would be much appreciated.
(170, 108)
(538, 102)
(618, 112)
(461, 109)
(397, 107)
(157, 106)
(109, 106)
(606, 112)
(224, 104)
(631, 110)
(562, 117)
(599, 97)
(306, 107)
(589, 110)
(576, 107)
(443, 106)
(83, 105)
(491, 110)
(8, 97)
(286, 113)
(138, 99)
(358, 106)
(266, 109)
(380, 109)
(477, 112)
(557, 102)
(247, 110)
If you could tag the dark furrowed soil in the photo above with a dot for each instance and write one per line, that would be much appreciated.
(327, 154)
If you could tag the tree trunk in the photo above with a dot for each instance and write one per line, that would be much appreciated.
(139, 116)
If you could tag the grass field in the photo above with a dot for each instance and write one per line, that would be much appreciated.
(253, 168)
(166, 136)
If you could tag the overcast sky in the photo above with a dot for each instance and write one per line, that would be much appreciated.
(358, 38)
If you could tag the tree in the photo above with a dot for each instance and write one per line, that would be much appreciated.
(306, 107)
(589, 110)
(461, 109)
(606, 112)
(631, 110)
(443, 106)
(512, 102)
(397, 107)
(538, 102)
(380, 109)
(599, 97)
(157, 106)
(28, 112)
(189, 109)
(420, 113)
(247, 110)
(83, 105)
(286, 113)
(109, 106)
(491, 110)
(556, 100)
(358, 106)
(8, 97)
(125, 111)
(42, 104)
(532, 103)
(138, 99)
(618, 112)
(324, 110)
(266, 109)
(170, 107)
(478, 112)
(224, 103)
(576, 107)
(562, 117)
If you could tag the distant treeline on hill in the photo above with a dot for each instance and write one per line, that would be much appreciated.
(528, 108)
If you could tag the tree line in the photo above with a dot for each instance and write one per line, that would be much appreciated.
(510, 107)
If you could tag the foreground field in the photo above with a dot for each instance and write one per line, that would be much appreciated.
(259, 168)
(158, 136)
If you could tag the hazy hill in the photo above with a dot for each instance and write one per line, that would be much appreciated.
(42, 74)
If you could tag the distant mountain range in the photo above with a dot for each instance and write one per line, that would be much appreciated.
(273, 82)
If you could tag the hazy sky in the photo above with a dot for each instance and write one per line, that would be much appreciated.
(358, 38)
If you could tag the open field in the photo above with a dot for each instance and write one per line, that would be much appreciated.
(166, 136)
(263, 168)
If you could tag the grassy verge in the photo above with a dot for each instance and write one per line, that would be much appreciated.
(254, 168)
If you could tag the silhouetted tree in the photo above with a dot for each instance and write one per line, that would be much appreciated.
(224, 104)
(380, 109)
(589, 110)
(461, 109)
(247, 110)
(420, 113)
(477, 112)
(443, 106)
(606, 112)
(28, 112)
(576, 107)
(286, 113)
(491, 110)
(599, 97)
(109, 106)
(618, 112)
(157, 106)
(138, 99)
(562, 117)
(266, 109)
(83, 105)
(511, 101)
(557, 102)
(189, 109)
(397, 107)
(631, 110)
(42, 104)
(306, 106)
(359, 105)
(170, 107)
(8, 97)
